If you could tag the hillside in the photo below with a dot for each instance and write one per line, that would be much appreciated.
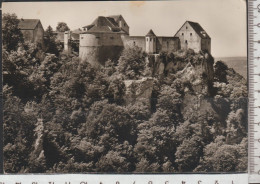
(172, 112)
(239, 64)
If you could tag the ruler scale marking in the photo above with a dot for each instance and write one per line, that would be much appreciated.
(254, 90)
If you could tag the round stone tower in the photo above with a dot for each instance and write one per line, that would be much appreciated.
(97, 47)
(150, 42)
(101, 41)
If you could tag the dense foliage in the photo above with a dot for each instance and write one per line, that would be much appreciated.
(196, 120)
(12, 36)
(62, 27)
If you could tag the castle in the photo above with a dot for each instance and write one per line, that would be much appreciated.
(106, 37)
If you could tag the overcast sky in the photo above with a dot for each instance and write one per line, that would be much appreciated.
(223, 20)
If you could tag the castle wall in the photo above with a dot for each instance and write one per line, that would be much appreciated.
(97, 48)
(38, 34)
(167, 44)
(131, 41)
(206, 45)
(189, 39)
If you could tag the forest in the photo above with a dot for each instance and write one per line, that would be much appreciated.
(63, 116)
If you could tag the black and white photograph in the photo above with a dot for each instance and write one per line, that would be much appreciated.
(125, 87)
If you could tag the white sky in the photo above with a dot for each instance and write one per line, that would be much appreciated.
(223, 20)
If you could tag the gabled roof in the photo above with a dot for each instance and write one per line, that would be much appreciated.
(115, 17)
(104, 24)
(112, 20)
(197, 28)
(28, 23)
(150, 33)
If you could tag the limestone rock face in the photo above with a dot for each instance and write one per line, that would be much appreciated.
(199, 74)
(137, 89)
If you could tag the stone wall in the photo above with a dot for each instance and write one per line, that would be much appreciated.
(38, 34)
(131, 41)
(98, 55)
(206, 44)
(167, 44)
(187, 33)
(97, 48)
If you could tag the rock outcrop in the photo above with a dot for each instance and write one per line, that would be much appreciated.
(137, 89)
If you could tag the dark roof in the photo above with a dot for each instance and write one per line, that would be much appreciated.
(150, 33)
(115, 17)
(28, 23)
(101, 21)
(198, 29)
(112, 20)
(99, 29)
(170, 37)
(104, 24)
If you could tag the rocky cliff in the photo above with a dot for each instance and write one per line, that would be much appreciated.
(196, 70)
(137, 89)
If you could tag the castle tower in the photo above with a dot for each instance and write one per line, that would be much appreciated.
(150, 42)
(67, 39)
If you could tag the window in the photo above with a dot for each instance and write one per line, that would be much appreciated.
(186, 27)
(182, 34)
(124, 24)
(150, 39)
(190, 34)
(186, 41)
(134, 43)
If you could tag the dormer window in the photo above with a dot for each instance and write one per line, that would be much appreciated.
(203, 33)
(186, 27)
